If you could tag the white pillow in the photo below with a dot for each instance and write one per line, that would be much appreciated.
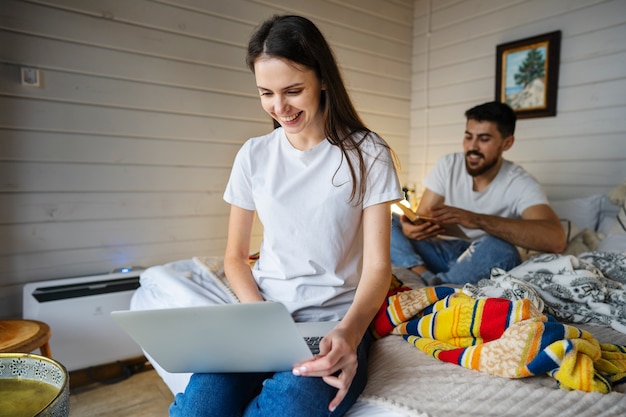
(608, 215)
(613, 243)
(570, 229)
(615, 240)
(583, 212)
(620, 226)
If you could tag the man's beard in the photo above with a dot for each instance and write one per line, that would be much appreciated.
(486, 166)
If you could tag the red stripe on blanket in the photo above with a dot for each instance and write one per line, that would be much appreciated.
(495, 318)
(452, 356)
(382, 324)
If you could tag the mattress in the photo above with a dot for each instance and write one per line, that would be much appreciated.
(406, 381)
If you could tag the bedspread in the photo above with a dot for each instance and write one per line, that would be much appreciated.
(508, 338)
(590, 288)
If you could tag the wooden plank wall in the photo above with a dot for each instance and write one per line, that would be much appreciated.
(581, 151)
(122, 155)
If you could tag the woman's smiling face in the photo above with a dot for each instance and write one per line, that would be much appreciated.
(291, 94)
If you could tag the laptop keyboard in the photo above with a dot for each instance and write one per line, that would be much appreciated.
(314, 343)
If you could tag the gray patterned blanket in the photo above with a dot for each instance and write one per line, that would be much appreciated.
(589, 288)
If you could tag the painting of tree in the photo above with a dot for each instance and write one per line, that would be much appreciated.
(526, 69)
(527, 73)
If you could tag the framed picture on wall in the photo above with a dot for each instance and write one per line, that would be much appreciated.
(527, 74)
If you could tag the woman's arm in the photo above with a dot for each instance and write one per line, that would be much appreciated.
(236, 266)
(338, 348)
(376, 273)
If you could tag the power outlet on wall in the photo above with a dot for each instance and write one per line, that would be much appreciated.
(31, 77)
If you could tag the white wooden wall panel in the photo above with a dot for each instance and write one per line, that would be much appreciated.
(23, 238)
(97, 259)
(122, 94)
(103, 119)
(579, 152)
(83, 148)
(27, 208)
(122, 155)
(104, 62)
(84, 177)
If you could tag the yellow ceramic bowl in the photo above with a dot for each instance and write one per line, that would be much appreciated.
(33, 386)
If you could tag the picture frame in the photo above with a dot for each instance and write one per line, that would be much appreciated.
(527, 74)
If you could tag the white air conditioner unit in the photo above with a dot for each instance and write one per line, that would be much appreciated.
(78, 313)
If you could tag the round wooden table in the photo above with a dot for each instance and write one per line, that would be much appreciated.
(24, 336)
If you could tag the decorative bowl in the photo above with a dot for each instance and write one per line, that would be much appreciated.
(33, 386)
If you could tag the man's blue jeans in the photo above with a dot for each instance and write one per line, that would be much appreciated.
(267, 394)
(453, 261)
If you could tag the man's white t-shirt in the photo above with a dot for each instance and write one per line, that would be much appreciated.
(311, 254)
(512, 191)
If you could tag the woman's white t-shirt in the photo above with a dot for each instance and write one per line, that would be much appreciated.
(311, 254)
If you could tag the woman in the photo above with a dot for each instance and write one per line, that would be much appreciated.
(321, 184)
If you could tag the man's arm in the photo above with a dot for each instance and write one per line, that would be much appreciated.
(538, 229)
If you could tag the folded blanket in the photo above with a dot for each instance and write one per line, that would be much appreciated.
(508, 338)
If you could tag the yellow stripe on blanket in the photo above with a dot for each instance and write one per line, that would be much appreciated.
(505, 338)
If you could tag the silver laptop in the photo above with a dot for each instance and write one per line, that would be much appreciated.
(245, 337)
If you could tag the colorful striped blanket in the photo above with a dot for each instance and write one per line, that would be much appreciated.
(500, 337)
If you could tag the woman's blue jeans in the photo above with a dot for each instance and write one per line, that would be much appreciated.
(453, 261)
(267, 394)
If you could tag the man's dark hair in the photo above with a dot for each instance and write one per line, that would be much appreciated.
(500, 113)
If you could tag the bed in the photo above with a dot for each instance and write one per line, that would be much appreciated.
(406, 381)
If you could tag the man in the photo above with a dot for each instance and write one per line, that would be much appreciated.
(498, 204)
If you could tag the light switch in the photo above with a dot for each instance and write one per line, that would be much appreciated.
(30, 77)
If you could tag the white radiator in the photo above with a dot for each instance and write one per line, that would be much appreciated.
(78, 313)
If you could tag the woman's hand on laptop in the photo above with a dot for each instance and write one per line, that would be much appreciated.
(336, 363)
